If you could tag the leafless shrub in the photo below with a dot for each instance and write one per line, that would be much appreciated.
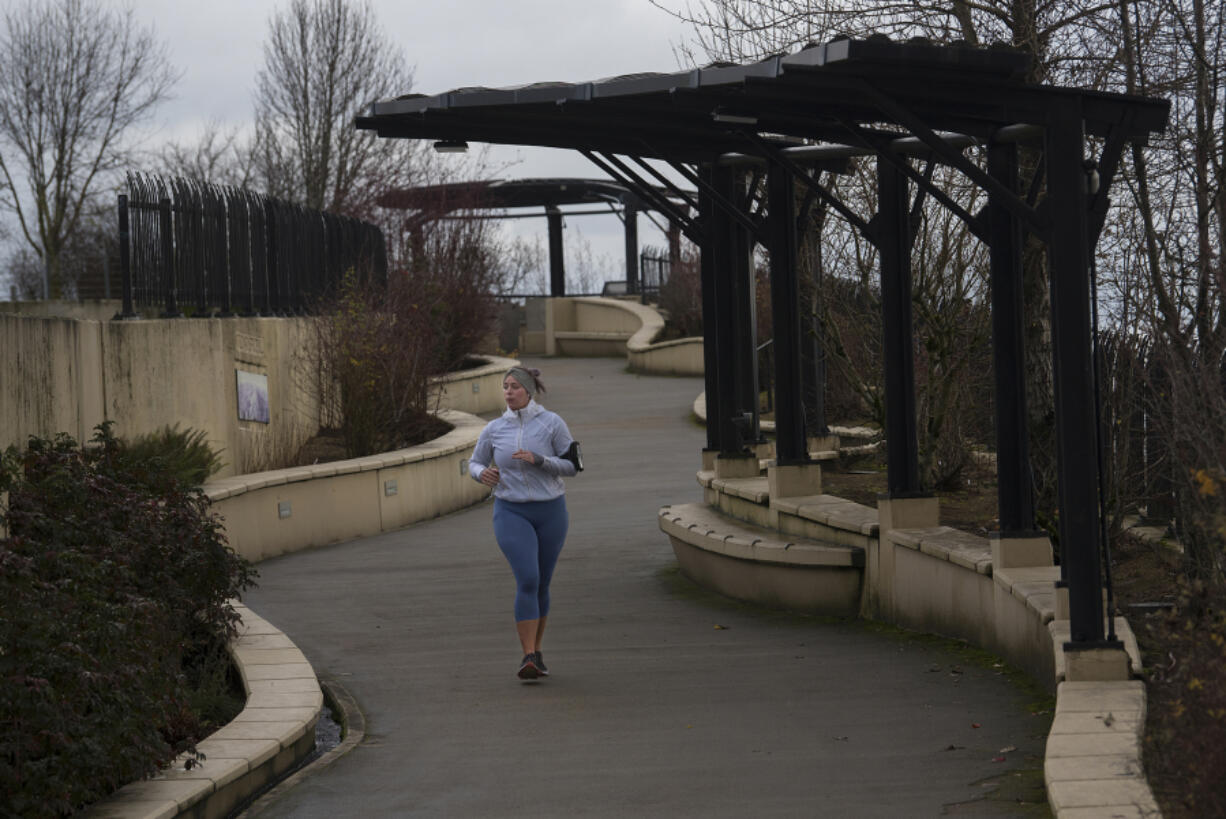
(681, 295)
(370, 356)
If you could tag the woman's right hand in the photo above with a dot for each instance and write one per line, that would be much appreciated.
(489, 476)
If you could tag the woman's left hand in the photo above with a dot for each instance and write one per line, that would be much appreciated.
(530, 457)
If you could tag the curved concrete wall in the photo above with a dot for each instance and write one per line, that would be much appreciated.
(598, 326)
(477, 390)
(271, 513)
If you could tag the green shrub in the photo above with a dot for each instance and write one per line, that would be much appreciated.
(184, 455)
(117, 590)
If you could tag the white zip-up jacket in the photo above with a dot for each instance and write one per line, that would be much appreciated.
(535, 429)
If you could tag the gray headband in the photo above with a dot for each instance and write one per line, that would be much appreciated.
(525, 379)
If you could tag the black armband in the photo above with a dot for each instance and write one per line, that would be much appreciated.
(573, 455)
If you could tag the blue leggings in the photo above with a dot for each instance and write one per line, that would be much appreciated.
(531, 535)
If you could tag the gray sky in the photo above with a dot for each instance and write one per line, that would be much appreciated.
(218, 44)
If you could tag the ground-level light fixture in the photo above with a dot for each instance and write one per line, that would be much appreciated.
(451, 146)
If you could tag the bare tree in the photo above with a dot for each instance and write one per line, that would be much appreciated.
(323, 61)
(75, 78)
(219, 156)
(1170, 254)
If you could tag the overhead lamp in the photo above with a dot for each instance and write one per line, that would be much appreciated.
(733, 119)
(451, 146)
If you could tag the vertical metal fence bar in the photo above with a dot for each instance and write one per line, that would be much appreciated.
(125, 259)
(167, 259)
(272, 294)
(255, 253)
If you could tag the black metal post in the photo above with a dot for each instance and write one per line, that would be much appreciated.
(744, 324)
(167, 245)
(733, 419)
(631, 214)
(894, 247)
(557, 262)
(125, 259)
(791, 445)
(1016, 504)
(1076, 430)
(812, 347)
(710, 324)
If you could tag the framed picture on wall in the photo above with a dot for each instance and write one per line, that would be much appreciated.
(252, 397)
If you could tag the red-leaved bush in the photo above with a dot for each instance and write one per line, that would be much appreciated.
(117, 585)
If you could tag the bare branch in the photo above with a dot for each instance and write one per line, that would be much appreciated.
(75, 78)
(323, 61)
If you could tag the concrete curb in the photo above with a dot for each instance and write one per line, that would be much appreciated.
(271, 735)
(353, 723)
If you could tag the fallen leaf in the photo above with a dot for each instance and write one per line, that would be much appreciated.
(974, 725)
(718, 627)
(998, 759)
(1008, 749)
(839, 739)
(955, 747)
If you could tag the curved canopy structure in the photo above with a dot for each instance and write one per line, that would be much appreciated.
(430, 202)
(908, 106)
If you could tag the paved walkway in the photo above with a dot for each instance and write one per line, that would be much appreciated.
(664, 701)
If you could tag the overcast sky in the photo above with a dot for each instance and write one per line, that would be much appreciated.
(218, 44)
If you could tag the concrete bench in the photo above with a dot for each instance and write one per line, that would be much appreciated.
(591, 343)
(753, 563)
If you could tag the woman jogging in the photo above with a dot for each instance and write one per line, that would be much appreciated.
(523, 455)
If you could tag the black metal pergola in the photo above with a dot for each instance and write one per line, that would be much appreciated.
(427, 203)
(905, 104)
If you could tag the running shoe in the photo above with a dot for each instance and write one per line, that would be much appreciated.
(540, 665)
(528, 669)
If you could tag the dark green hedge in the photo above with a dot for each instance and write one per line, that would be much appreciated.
(115, 589)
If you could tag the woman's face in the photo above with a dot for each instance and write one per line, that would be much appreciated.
(514, 393)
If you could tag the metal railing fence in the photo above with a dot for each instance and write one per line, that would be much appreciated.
(195, 248)
(654, 269)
